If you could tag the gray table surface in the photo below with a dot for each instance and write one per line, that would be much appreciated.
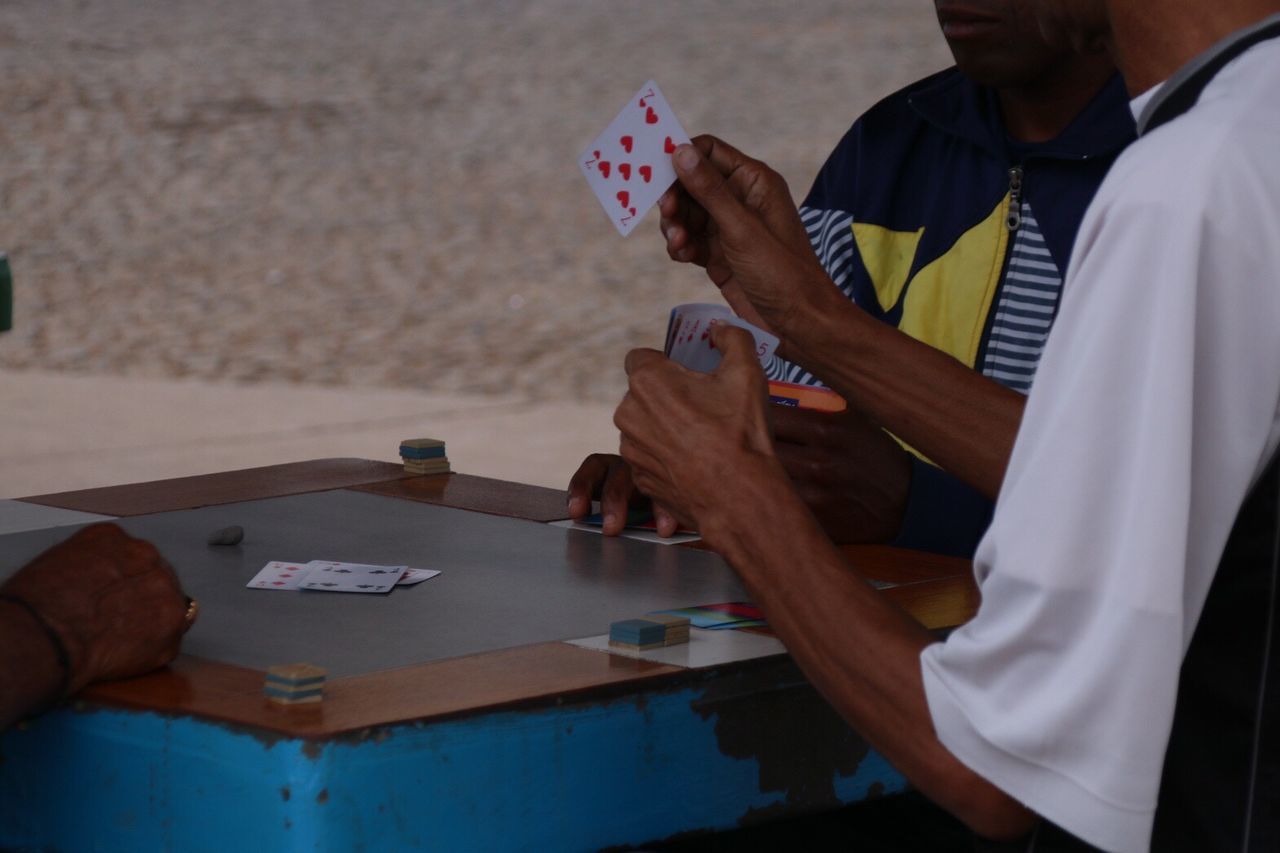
(505, 582)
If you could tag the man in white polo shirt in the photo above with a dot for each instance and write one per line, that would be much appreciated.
(1118, 687)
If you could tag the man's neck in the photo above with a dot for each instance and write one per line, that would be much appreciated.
(1042, 110)
(1149, 47)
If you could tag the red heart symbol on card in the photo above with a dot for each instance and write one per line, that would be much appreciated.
(605, 167)
(650, 117)
(669, 146)
(646, 172)
(624, 197)
(624, 169)
(626, 142)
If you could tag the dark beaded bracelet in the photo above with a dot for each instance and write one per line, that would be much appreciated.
(59, 647)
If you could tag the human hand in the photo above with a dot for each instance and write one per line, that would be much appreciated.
(607, 477)
(112, 599)
(850, 473)
(735, 217)
(691, 439)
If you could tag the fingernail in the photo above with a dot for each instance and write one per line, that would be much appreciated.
(686, 157)
(610, 519)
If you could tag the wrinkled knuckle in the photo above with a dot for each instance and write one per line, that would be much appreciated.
(621, 416)
(596, 463)
(645, 379)
(773, 179)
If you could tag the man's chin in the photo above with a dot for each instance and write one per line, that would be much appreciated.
(1061, 33)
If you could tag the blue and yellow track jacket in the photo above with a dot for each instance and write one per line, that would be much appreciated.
(910, 218)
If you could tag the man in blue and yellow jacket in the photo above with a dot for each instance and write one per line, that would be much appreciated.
(948, 210)
(933, 218)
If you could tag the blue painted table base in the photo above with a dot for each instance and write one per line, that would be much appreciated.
(639, 767)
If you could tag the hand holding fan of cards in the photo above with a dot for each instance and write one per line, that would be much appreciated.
(629, 168)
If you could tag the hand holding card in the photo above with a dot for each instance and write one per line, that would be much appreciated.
(629, 165)
(689, 339)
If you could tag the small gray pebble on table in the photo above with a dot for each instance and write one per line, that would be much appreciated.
(227, 535)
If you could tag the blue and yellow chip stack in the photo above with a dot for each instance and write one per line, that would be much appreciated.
(295, 683)
(424, 456)
(652, 632)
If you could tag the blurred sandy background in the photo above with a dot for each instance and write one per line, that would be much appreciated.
(374, 195)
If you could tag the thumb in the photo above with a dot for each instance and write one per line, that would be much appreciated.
(737, 346)
(710, 188)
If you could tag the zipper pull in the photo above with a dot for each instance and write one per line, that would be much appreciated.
(1014, 220)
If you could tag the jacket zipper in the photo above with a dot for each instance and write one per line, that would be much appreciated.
(1014, 219)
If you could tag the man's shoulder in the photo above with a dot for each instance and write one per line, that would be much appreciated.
(885, 131)
(897, 106)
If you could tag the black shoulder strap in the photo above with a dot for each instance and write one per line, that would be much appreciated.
(1184, 91)
(1262, 810)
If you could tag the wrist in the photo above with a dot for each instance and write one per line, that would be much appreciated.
(55, 682)
(828, 321)
(759, 484)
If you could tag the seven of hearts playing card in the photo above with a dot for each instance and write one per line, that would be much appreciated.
(629, 165)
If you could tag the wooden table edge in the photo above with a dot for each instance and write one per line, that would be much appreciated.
(937, 591)
(538, 675)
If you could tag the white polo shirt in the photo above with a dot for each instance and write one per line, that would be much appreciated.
(1156, 406)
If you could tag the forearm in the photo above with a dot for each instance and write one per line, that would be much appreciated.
(962, 421)
(861, 653)
(30, 673)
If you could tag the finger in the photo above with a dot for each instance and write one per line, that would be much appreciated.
(103, 533)
(669, 204)
(586, 481)
(665, 522)
(710, 188)
(677, 240)
(726, 159)
(795, 425)
(641, 461)
(736, 345)
(639, 358)
(615, 499)
(137, 557)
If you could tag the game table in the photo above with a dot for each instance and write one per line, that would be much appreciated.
(455, 716)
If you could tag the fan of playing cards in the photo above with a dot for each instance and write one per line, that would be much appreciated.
(689, 336)
(629, 165)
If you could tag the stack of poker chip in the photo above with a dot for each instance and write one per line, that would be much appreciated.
(652, 632)
(295, 683)
(424, 456)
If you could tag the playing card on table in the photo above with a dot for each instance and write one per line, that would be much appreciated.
(629, 165)
(280, 575)
(412, 576)
(352, 577)
(689, 336)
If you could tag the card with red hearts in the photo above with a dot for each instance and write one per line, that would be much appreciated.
(689, 336)
(280, 575)
(629, 165)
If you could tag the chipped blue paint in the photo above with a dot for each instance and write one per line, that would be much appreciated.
(575, 777)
